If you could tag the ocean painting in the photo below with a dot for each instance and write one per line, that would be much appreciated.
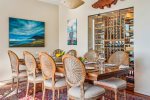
(72, 32)
(26, 33)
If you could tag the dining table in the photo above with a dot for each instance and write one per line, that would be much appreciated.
(92, 71)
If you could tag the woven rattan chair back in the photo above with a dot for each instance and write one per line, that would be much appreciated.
(119, 58)
(57, 51)
(14, 60)
(30, 63)
(47, 65)
(91, 56)
(72, 53)
(74, 70)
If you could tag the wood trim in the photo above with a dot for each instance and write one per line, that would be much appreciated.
(139, 95)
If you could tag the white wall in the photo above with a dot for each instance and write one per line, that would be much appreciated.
(142, 46)
(142, 35)
(26, 9)
(82, 14)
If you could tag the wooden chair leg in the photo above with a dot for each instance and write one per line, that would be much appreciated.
(58, 94)
(125, 94)
(43, 93)
(116, 95)
(12, 83)
(53, 94)
(42, 86)
(34, 90)
(27, 89)
(17, 84)
(103, 97)
(67, 97)
(67, 93)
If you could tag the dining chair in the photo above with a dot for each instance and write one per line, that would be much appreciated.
(113, 84)
(119, 58)
(91, 56)
(116, 84)
(16, 72)
(48, 67)
(33, 76)
(72, 52)
(75, 75)
(57, 51)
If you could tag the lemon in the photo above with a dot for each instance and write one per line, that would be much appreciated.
(58, 55)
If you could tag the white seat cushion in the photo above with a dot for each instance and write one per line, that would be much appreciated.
(115, 83)
(59, 74)
(38, 78)
(22, 67)
(21, 74)
(90, 91)
(58, 83)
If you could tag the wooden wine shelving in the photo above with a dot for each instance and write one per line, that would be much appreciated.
(110, 31)
(114, 31)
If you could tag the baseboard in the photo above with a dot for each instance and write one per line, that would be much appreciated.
(8, 82)
(140, 95)
(5, 82)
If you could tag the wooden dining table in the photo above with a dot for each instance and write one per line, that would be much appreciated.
(93, 74)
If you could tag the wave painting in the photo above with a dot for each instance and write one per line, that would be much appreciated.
(26, 33)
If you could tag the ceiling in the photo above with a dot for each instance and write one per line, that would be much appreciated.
(51, 1)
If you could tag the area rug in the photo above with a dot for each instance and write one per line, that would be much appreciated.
(5, 92)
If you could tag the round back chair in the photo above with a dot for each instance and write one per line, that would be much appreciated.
(48, 66)
(75, 72)
(16, 73)
(33, 77)
(72, 53)
(57, 51)
(91, 56)
(14, 60)
(30, 63)
(119, 58)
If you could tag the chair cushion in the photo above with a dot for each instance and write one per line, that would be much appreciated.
(59, 74)
(38, 78)
(22, 73)
(115, 83)
(60, 82)
(22, 67)
(90, 91)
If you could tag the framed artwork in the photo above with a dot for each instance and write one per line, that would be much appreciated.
(72, 32)
(26, 33)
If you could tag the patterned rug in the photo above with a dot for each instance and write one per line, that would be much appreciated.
(7, 94)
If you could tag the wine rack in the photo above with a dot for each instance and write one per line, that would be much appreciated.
(99, 34)
(113, 31)
(129, 46)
